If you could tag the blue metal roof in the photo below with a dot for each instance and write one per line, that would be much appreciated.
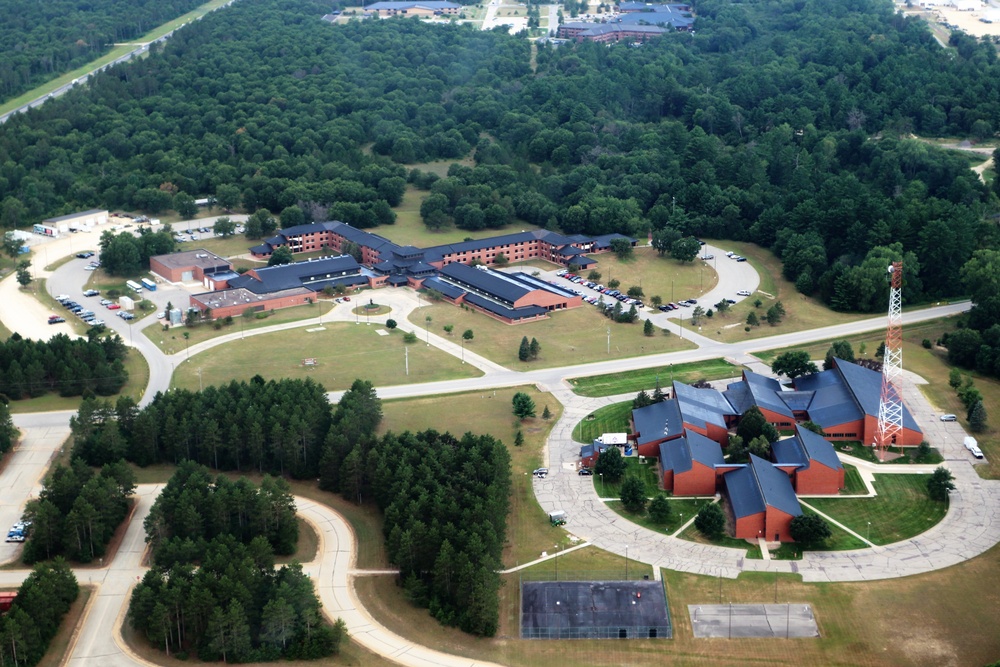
(755, 487)
(700, 407)
(658, 421)
(866, 386)
(395, 4)
(744, 494)
(298, 274)
(449, 290)
(678, 455)
(832, 403)
(486, 282)
(775, 486)
(789, 452)
(766, 393)
(818, 448)
(503, 311)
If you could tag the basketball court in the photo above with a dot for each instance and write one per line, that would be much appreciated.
(594, 610)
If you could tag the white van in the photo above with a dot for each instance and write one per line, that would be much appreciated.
(973, 447)
(949, 418)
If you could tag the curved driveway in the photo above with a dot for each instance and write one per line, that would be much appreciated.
(970, 528)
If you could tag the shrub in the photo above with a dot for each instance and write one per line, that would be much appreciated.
(409, 337)
(710, 520)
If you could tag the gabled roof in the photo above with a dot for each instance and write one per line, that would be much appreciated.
(832, 402)
(700, 407)
(658, 421)
(866, 387)
(679, 455)
(449, 290)
(486, 282)
(760, 390)
(70, 216)
(760, 485)
(298, 274)
(503, 311)
(818, 448)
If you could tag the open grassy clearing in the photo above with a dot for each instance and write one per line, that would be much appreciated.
(657, 276)
(60, 262)
(574, 336)
(681, 510)
(305, 548)
(230, 246)
(528, 530)
(138, 378)
(609, 419)
(56, 656)
(900, 511)
(646, 378)
(646, 472)
(343, 353)
(692, 534)
(5, 333)
(853, 485)
(172, 340)
(907, 455)
(802, 313)
(410, 229)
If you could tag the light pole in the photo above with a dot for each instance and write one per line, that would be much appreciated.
(601, 475)
(609, 341)
(868, 535)
(463, 350)
(626, 562)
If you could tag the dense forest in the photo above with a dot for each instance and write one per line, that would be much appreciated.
(276, 427)
(790, 124)
(195, 508)
(221, 596)
(78, 511)
(41, 40)
(69, 367)
(34, 618)
(126, 254)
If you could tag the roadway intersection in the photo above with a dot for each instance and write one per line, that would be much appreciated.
(971, 526)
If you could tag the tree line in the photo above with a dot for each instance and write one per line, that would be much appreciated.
(444, 502)
(8, 432)
(36, 613)
(224, 600)
(78, 511)
(69, 367)
(41, 40)
(195, 508)
(276, 427)
(126, 254)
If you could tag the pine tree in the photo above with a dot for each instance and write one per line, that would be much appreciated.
(753, 320)
(524, 351)
(658, 395)
(647, 327)
(535, 348)
(977, 418)
(659, 509)
(546, 413)
(518, 438)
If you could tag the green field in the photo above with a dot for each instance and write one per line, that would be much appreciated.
(657, 276)
(528, 529)
(343, 353)
(574, 336)
(644, 471)
(853, 484)
(172, 340)
(609, 419)
(681, 510)
(646, 378)
(900, 511)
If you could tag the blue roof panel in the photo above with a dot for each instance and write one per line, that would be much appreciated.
(658, 421)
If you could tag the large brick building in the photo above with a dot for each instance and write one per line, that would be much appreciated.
(761, 501)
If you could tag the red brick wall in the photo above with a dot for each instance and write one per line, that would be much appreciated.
(667, 479)
(749, 527)
(264, 305)
(818, 479)
(778, 524)
(173, 275)
(711, 431)
(779, 421)
(699, 481)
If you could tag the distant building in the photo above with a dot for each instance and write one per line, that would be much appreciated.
(201, 266)
(636, 22)
(84, 219)
(421, 8)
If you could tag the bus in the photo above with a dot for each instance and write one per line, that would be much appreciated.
(134, 286)
(148, 284)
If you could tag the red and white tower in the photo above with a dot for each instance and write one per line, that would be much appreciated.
(890, 409)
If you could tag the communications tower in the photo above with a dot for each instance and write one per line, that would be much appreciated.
(890, 408)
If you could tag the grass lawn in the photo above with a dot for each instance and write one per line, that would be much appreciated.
(343, 352)
(853, 485)
(574, 336)
(55, 655)
(802, 313)
(609, 419)
(909, 454)
(173, 340)
(138, 378)
(60, 262)
(230, 246)
(681, 510)
(410, 229)
(657, 276)
(5, 333)
(528, 529)
(900, 511)
(644, 471)
(692, 534)
(646, 378)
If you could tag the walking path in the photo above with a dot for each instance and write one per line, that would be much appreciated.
(971, 526)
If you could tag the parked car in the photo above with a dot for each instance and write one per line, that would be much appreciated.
(113, 306)
(62, 297)
(743, 292)
(92, 292)
(707, 257)
(949, 418)
(585, 472)
(540, 472)
(55, 319)
(347, 298)
(741, 259)
(84, 255)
